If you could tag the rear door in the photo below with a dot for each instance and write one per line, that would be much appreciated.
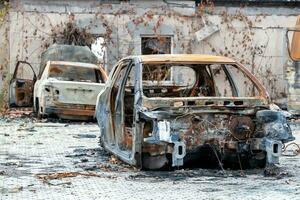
(121, 138)
(21, 85)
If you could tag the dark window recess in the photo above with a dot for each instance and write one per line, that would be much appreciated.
(156, 45)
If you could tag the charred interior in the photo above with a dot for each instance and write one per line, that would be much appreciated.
(75, 73)
(196, 80)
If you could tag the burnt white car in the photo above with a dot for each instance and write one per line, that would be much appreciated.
(68, 89)
(67, 84)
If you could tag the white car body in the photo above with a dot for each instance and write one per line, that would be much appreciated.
(67, 98)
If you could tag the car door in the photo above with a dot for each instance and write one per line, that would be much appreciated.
(293, 41)
(117, 100)
(122, 137)
(21, 85)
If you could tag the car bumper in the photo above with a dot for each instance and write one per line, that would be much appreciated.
(69, 111)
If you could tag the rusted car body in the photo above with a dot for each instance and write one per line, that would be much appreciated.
(293, 46)
(68, 89)
(160, 111)
(21, 88)
(68, 82)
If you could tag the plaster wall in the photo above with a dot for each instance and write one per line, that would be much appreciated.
(253, 36)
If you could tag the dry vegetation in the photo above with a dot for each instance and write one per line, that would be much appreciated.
(4, 9)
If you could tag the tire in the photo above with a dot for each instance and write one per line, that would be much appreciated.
(39, 114)
(101, 142)
(35, 106)
(38, 110)
(101, 139)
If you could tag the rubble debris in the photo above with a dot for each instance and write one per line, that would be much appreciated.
(13, 163)
(50, 124)
(50, 177)
(84, 152)
(114, 160)
(85, 136)
(17, 113)
(26, 127)
(275, 171)
(84, 160)
(16, 189)
(2, 173)
(45, 178)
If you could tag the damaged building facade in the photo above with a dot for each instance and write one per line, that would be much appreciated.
(254, 35)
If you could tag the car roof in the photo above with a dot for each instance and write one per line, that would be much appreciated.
(75, 64)
(186, 58)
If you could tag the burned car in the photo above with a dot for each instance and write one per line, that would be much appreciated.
(68, 89)
(66, 86)
(162, 111)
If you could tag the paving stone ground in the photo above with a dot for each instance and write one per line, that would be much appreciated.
(30, 151)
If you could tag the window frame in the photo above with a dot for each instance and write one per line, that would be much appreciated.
(238, 66)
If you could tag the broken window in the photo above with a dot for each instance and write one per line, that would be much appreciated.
(156, 73)
(230, 81)
(244, 85)
(100, 50)
(157, 81)
(156, 45)
(75, 73)
(196, 80)
(223, 84)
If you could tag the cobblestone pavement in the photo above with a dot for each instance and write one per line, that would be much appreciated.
(63, 161)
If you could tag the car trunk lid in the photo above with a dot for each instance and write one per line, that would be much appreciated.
(68, 92)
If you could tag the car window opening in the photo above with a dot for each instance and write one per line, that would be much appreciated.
(75, 73)
(196, 80)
